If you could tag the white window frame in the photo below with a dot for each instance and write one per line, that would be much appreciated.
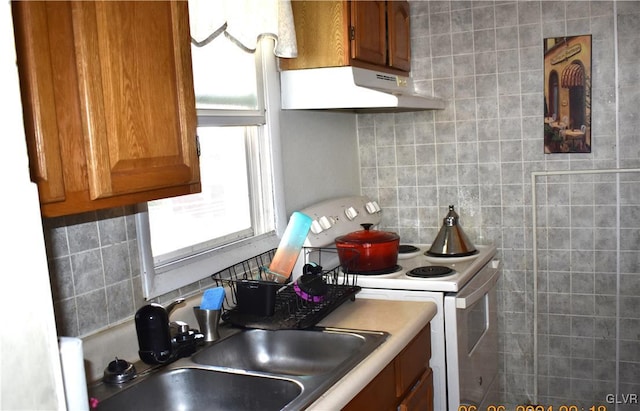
(160, 280)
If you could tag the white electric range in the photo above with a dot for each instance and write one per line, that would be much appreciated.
(464, 342)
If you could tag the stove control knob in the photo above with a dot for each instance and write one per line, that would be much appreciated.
(372, 207)
(316, 228)
(351, 213)
(326, 222)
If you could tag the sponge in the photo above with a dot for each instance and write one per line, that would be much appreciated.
(212, 299)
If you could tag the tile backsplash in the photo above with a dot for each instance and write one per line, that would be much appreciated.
(588, 229)
(95, 270)
(95, 276)
(486, 59)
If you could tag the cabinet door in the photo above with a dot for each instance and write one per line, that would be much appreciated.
(412, 361)
(368, 32)
(136, 93)
(420, 398)
(399, 35)
(36, 64)
(378, 394)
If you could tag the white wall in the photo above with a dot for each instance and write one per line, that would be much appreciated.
(30, 376)
(320, 156)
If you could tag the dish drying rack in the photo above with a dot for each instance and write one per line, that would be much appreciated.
(290, 311)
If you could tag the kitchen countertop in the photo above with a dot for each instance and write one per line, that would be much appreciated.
(401, 319)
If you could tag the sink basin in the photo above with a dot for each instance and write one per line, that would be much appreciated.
(248, 370)
(187, 389)
(287, 352)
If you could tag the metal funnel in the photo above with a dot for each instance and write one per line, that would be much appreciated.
(451, 241)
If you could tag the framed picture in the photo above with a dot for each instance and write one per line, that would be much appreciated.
(567, 94)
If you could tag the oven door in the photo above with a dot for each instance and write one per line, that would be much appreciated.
(472, 338)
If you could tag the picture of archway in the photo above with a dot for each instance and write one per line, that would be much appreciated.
(567, 95)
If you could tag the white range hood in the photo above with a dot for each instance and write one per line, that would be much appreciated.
(352, 89)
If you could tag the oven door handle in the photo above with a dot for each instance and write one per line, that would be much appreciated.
(487, 278)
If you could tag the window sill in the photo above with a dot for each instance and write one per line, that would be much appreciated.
(156, 282)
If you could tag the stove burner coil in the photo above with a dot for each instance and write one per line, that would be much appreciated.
(430, 271)
(407, 249)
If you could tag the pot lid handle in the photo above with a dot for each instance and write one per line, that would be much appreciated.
(452, 218)
(367, 226)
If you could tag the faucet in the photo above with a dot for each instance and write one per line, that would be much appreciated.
(176, 327)
(173, 305)
(183, 338)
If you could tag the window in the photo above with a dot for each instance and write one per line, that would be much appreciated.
(187, 238)
(220, 213)
(226, 77)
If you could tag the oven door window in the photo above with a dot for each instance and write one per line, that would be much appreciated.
(477, 348)
(477, 322)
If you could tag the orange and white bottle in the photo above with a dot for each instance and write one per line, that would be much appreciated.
(290, 245)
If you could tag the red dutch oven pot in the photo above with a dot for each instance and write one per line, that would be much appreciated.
(368, 250)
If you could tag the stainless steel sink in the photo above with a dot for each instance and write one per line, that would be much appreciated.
(251, 369)
(187, 389)
(287, 352)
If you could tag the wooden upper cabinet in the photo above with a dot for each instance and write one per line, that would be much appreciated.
(399, 35)
(37, 84)
(369, 32)
(120, 116)
(366, 34)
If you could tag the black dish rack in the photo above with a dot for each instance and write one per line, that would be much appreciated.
(290, 311)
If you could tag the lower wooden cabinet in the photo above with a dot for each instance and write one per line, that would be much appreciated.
(406, 383)
(421, 395)
(379, 394)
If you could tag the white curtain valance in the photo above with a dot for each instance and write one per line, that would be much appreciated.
(244, 22)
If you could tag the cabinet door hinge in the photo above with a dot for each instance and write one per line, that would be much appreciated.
(352, 33)
(198, 145)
